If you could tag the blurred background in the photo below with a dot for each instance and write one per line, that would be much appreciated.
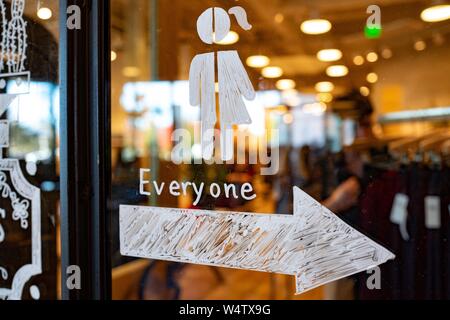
(362, 111)
(355, 103)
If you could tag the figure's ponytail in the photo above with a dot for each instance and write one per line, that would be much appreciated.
(241, 17)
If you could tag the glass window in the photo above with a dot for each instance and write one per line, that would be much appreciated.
(29, 174)
(351, 105)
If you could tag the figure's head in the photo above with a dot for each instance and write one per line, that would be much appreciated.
(222, 23)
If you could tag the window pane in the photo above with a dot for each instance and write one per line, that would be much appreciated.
(29, 167)
(330, 79)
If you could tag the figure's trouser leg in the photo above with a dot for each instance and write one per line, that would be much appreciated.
(207, 140)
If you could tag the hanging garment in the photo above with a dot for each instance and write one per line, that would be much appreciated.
(376, 203)
(445, 210)
(433, 223)
(414, 250)
(396, 239)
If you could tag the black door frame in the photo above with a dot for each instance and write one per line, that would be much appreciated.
(85, 78)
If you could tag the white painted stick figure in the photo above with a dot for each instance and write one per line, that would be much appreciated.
(233, 81)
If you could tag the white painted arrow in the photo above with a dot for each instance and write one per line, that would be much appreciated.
(313, 244)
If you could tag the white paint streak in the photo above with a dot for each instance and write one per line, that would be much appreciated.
(4, 134)
(314, 244)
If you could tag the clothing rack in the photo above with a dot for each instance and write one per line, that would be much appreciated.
(432, 114)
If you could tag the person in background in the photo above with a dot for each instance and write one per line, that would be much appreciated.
(347, 194)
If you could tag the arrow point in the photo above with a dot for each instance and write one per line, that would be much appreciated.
(307, 282)
(344, 251)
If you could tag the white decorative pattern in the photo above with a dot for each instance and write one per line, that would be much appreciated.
(24, 198)
(313, 244)
(20, 207)
(33, 196)
(4, 40)
(17, 38)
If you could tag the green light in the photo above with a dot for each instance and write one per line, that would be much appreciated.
(373, 32)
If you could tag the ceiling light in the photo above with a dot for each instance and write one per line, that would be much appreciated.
(258, 61)
(358, 60)
(324, 86)
(328, 55)
(372, 77)
(372, 57)
(324, 97)
(279, 18)
(272, 72)
(364, 91)
(44, 13)
(387, 53)
(231, 38)
(131, 72)
(420, 45)
(286, 84)
(436, 13)
(316, 26)
(337, 71)
(438, 39)
(113, 56)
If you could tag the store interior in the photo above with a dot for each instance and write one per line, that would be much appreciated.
(360, 99)
(352, 99)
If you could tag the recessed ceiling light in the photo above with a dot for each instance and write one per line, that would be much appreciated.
(258, 61)
(279, 18)
(329, 55)
(131, 72)
(420, 45)
(286, 84)
(272, 72)
(316, 26)
(44, 13)
(113, 56)
(324, 86)
(364, 91)
(337, 71)
(372, 77)
(372, 57)
(387, 53)
(436, 13)
(358, 60)
(324, 97)
(438, 39)
(231, 38)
